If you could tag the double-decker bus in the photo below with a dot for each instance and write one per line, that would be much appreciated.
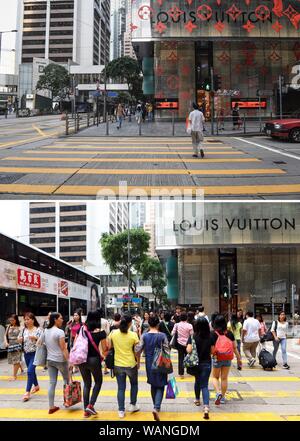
(34, 281)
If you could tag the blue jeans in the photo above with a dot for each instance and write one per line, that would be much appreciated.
(238, 343)
(157, 394)
(121, 373)
(201, 382)
(31, 375)
(282, 343)
(120, 120)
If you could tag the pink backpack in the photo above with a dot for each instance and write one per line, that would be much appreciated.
(79, 352)
(224, 348)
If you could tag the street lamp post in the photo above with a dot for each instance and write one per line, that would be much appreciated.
(129, 257)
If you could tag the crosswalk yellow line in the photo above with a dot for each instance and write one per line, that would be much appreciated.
(114, 152)
(128, 160)
(190, 379)
(230, 395)
(100, 147)
(76, 414)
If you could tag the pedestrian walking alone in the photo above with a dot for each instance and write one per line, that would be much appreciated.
(97, 345)
(236, 120)
(57, 355)
(14, 349)
(120, 115)
(235, 327)
(204, 345)
(279, 330)
(149, 342)
(28, 337)
(250, 337)
(224, 349)
(196, 121)
(124, 341)
(184, 330)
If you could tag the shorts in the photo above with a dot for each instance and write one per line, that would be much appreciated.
(224, 363)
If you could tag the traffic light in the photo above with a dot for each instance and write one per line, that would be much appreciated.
(235, 289)
(225, 292)
(206, 85)
(217, 82)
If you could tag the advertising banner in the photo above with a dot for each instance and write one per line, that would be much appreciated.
(159, 19)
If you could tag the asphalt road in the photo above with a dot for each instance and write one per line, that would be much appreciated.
(37, 160)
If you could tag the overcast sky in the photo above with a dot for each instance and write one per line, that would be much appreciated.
(8, 21)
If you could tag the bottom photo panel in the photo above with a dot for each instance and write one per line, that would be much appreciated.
(149, 318)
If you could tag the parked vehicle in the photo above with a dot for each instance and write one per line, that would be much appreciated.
(284, 128)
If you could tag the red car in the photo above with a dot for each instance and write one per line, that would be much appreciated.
(284, 128)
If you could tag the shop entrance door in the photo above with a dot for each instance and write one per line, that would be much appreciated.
(228, 299)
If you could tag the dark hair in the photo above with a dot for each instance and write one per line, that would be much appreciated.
(117, 317)
(146, 312)
(220, 324)
(250, 314)
(201, 328)
(125, 321)
(16, 318)
(201, 308)
(178, 307)
(183, 317)
(259, 316)
(282, 312)
(191, 317)
(234, 321)
(153, 321)
(167, 317)
(32, 317)
(53, 316)
(213, 317)
(195, 106)
(93, 320)
(79, 312)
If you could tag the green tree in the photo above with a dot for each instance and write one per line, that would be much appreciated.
(127, 69)
(54, 78)
(115, 252)
(152, 270)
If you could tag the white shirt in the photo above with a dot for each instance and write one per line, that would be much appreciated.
(252, 326)
(197, 121)
(282, 329)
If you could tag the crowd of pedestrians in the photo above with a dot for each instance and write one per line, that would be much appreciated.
(206, 348)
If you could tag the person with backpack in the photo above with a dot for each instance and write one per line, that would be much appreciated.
(250, 337)
(149, 342)
(224, 348)
(204, 345)
(184, 330)
(279, 330)
(125, 364)
(57, 355)
(97, 344)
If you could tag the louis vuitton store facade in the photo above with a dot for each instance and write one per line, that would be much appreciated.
(248, 43)
(238, 253)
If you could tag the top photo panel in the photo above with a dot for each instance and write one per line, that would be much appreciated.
(150, 99)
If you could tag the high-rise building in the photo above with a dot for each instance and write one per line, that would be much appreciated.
(61, 31)
(121, 42)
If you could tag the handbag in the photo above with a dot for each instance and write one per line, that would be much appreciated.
(72, 393)
(191, 360)
(14, 348)
(162, 360)
(174, 341)
(40, 358)
(269, 335)
(172, 389)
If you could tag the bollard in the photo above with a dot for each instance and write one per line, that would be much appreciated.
(94, 119)
(107, 126)
(217, 126)
(173, 124)
(245, 123)
(140, 128)
(88, 120)
(78, 122)
(67, 124)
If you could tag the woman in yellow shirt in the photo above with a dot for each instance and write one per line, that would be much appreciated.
(125, 363)
(236, 328)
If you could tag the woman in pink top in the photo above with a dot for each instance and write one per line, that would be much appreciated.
(184, 331)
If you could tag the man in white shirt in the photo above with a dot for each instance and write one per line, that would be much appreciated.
(250, 337)
(197, 120)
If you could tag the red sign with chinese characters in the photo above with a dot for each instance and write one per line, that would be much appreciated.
(63, 288)
(167, 105)
(29, 279)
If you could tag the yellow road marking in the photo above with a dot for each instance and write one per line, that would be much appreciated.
(38, 170)
(231, 395)
(75, 414)
(39, 130)
(14, 143)
(128, 160)
(292, 417)
(27, 189)
(100, 147)
(114, 152)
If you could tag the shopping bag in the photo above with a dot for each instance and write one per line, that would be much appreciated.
(192, 359)
(40, 358)
(72, 393)
(162, 360)
(172, 388)
(174, 341)
(188, 126)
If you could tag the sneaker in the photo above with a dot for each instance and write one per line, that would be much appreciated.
(90, 409)
(121, 414)
(206, 413)
(86, 414)
(202, 153)
(222, 400)
(252, 362)
(133, 408)
(286, 366)
(218, 399)
(195, 156)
